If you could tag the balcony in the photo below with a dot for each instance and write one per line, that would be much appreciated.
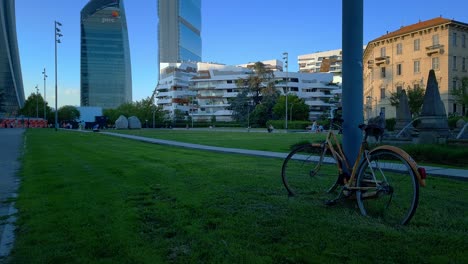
(437, 48)
(382, 60)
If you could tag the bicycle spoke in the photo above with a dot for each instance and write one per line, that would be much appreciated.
(396, 188)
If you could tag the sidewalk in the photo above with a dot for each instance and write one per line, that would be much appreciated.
(11, 140)
(431, 171)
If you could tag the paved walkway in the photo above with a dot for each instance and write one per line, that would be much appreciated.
(431, 170)
(11, 142)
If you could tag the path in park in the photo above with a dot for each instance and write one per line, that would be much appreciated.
(11, 146)
(431, 170)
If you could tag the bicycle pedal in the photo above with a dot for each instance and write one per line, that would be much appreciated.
(330, 202)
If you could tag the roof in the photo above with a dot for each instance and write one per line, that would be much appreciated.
(419, 26)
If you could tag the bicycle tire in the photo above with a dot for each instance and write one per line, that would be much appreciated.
(306, 172)
(393, 189)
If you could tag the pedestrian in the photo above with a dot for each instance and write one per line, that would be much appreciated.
(314, 126)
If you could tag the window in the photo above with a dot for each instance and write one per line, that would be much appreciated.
(416, 86)
(399, 89)
(382, 93)
(229, 81)
(382, 52)
(454, 84)
(464, 64)
(416, 67)
(435, 40)
(454, 62)
(463, 41)
(399, 48)
(454, 108)
(435, 63)
(417, 44)
(398, 69)
(454, 39)
(382, 72)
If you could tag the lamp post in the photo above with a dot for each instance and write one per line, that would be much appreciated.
(57, 31)
(285, 58)
(37, 101)
(291, 113)
(45, 77)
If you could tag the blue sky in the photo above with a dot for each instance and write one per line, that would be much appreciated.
(233, 32)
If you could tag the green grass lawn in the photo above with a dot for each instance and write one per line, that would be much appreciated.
(92, 198)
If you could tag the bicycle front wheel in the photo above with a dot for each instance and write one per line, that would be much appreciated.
(307, 170)
(387, 187)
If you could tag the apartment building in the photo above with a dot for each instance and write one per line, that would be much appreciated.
(402, 59)
(215, 84)
(324, 61)
(172, 91)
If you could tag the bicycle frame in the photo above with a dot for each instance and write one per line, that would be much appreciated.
(337, 152)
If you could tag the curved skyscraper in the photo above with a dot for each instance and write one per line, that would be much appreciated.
(106, 79)
(179, 31)
(11, 80)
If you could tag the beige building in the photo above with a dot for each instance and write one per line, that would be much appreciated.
(402, 59)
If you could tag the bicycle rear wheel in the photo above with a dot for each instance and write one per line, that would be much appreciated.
(306, 172)
(390, 190)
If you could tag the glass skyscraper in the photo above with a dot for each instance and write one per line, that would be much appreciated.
(106, 79)
(11, 80)
(179, 31)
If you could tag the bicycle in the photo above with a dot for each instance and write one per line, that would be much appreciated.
(384, 180)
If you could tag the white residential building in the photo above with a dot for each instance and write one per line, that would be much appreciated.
(324, 61)
(172, 90)
(215, 84)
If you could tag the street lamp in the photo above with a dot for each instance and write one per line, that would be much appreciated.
(57, 31)
(291, 112)
(285, 58)
(45, 77)
(37, 101)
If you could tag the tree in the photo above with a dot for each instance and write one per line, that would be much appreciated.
(297, 108)
(240, 106)
(34, 106)
(460, 94)
(260, 79)
(415, 99)
(144, 110)
(68, 113)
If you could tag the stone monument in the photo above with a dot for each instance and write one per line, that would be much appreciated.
(434, 123)
(134, 122)
(121, 122)
(403, 116)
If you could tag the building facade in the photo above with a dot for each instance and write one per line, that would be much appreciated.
(215, 85)
(324, 61)
(172, 92)
(402, 60)
(106, 79)
(179, 31)
(11, 80)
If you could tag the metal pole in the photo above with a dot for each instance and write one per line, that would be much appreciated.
(37, 101)
(291, 112)
(45, 77)
(57, 40)
(352, 37)
(56, 109)
(285, 58)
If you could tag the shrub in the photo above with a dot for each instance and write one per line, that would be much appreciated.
(390, 124)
